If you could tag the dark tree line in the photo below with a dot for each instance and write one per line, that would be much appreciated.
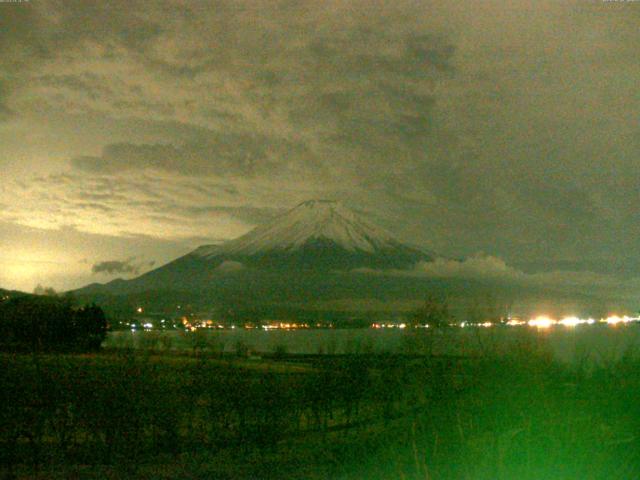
(128, 408)
(50, 323)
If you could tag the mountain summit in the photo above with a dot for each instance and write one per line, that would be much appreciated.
(323, 221)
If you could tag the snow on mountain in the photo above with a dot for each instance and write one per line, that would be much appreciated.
(312, 220)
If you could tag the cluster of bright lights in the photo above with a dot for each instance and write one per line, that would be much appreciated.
(148, 325)
(193, 325)
(467, 324)
(546, 322)
(284, 326)
(614, 319)
(514, 322)
(573, 321)
(389, 325)
(539, 322)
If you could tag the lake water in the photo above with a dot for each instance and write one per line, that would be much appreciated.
(596, 343)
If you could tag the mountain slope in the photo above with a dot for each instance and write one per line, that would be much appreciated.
(7, 294)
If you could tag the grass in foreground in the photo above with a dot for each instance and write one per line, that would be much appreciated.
(517, 415)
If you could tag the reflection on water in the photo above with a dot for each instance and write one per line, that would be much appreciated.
(600, 343)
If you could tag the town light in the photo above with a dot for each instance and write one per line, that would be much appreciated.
(541, 322)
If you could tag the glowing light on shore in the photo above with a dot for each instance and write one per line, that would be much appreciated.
(542, 322)
(515, 323)
(615, 319)
(571, 321)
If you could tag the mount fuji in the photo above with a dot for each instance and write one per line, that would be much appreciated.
(318, 256)
(317, 243)
(317, 235)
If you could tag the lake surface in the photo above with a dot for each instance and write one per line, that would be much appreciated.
(595, 343)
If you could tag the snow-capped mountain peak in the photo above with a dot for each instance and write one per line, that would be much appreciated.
(313, 220)
(319, 236)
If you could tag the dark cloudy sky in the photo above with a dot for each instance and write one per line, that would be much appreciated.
(131, 132)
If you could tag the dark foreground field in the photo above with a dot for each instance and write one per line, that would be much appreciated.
(516, 415)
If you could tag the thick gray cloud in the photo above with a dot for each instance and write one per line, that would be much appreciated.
(129, 266)
(509, 128)
(221, 154)
(493, 270)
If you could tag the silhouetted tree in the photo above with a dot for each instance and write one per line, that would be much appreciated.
(50, 323)
(433, 312)
(91, 326)
(45, 291)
